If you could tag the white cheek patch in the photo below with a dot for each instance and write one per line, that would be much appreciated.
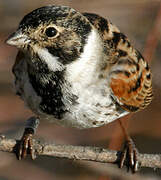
(52, 61)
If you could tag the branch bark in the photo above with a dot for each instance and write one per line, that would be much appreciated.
(88, 153)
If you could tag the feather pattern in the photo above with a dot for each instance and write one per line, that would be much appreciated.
(128, 73)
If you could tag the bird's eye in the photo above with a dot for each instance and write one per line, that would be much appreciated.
(51, 32)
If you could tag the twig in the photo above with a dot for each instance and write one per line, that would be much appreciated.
(88, 153)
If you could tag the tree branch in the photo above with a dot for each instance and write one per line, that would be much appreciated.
(88, 153)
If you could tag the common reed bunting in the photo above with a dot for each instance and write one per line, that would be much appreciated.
(77, 70)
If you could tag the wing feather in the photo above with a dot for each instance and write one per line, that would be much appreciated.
(128, 73)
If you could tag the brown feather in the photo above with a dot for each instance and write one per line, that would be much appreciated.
(130, 76)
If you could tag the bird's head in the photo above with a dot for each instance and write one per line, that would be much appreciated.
(48, 32)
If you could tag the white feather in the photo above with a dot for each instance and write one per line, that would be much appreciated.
(51, 61)
(85, 66)
(90, 90)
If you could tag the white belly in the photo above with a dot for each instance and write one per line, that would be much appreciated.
(91, 110)
(94, 108)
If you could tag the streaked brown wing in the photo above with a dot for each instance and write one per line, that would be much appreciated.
(128, 73)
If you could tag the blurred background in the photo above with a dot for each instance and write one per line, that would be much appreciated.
(140, 20)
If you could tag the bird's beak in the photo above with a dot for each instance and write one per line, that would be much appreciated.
(17, 39)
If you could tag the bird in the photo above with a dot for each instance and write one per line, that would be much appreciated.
(77, 70)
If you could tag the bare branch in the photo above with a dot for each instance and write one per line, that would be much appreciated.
(88, 153)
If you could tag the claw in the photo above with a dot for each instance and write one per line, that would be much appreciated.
(130, 153)
(26, 145)
(123, 157)
(31, 149)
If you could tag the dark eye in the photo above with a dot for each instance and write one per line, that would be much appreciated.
(51, 32)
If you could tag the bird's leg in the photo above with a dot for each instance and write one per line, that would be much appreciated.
(129, 153)
(26, 144)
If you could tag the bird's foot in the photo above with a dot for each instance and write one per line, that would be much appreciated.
(130, 154)
(25, 145)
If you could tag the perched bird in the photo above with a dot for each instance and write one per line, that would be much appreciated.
(77, 70)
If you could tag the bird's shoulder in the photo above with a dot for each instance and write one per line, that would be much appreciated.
(128, 73)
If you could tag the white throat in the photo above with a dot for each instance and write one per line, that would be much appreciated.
(85, 68)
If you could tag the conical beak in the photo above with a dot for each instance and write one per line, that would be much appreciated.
(17, 39)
